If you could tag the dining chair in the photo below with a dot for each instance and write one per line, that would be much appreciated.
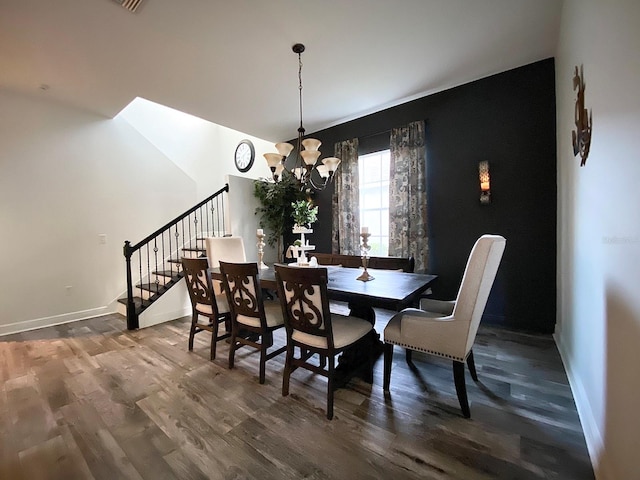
(228, 249)
(205, 303)
(448, 329)
(312, 328)
(250, 312)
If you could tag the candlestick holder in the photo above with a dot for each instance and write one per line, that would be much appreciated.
(260, 245)
(364, 249)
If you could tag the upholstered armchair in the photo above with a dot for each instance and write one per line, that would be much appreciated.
(448, 328)
(227, 249)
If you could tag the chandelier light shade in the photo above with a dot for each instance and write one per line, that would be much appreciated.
(303, 158)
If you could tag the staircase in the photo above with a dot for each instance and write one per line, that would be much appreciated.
(154, 264)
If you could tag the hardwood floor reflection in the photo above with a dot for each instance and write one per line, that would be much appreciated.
(92, 400)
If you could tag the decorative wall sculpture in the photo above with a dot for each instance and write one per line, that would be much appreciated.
(581, 136)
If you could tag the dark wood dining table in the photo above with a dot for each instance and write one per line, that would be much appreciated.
(390, 289)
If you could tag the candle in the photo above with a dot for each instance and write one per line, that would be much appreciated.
(364, 230)
(260, 232)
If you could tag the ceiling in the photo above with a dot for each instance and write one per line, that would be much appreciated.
(230, 62)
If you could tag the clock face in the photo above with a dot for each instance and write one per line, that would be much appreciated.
(244, 156)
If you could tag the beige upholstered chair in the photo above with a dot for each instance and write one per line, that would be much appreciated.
(227, 249)
(312, 328)
(204, 302)
(448, 328)
(250, 312)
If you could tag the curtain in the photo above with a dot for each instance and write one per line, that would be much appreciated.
(345, 234)
(408, 194)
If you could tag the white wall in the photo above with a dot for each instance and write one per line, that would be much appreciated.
(598, 324)
(67, 177)
(203, 150)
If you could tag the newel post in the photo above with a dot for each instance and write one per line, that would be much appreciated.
(132, 318)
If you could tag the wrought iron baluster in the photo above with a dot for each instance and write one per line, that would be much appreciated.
(164, 255)
(224, 228)
(155, 254)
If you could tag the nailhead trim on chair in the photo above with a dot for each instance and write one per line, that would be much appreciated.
(438, 354)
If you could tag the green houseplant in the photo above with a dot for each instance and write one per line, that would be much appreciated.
(276, 210)
(304, 213)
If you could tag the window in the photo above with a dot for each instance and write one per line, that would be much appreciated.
(374, 199)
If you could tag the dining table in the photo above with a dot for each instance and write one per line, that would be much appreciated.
(389, 289)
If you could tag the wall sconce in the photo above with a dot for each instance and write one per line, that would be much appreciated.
(485, 182)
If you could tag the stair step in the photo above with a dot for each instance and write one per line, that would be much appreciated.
(164, 277)
(196, 249)
(139, 303)
(148, 290)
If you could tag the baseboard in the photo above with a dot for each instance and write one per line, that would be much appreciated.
(36, 323)
(592, 435)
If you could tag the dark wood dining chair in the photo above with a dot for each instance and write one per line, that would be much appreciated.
(312, 328)
(250, 312)
(204, 303)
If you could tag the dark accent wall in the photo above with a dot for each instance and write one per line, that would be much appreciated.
(508, 119)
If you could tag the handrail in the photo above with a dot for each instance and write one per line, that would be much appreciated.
(172, 238)
(177, 219)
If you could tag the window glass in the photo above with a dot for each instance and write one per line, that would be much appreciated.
(374, 199)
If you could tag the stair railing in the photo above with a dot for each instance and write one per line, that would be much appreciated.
(161, 253)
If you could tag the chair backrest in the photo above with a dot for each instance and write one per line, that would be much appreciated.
(244, 294)
(406, 264)
(477, 281)
(304, 300)
(198, 280)
(228, 249)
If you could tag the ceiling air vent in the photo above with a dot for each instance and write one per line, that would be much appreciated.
(131, 5)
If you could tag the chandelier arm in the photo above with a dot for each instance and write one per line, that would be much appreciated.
(313, 184)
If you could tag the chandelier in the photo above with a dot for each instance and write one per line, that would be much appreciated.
(305, 167)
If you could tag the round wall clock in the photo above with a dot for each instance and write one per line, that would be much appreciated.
(244, 156)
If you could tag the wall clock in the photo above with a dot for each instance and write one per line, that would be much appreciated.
(245, 155)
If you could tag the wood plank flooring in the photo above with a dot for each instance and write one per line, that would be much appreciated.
(90, 400)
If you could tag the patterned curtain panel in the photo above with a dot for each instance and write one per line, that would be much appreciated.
(345, 234)
(408, 194)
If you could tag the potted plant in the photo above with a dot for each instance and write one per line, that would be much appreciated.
(276, 210)
(304, 214)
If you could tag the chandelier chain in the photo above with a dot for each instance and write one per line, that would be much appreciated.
(300, 87)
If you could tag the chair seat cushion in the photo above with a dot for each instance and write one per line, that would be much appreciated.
(429, 332)
(346, 330)
(273, 313)
(221, 301)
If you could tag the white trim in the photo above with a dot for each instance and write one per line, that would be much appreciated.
(592, 435)
(36, 323)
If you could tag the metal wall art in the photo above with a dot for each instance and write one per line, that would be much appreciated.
(581, 136)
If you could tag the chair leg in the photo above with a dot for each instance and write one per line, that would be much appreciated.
(388, 358)
(331, 369)
(461, 387)
(214, 338)
(263, 359)
(287, 370)
(232, 347)
(192, 332)
(472, 366)
(409, 355)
